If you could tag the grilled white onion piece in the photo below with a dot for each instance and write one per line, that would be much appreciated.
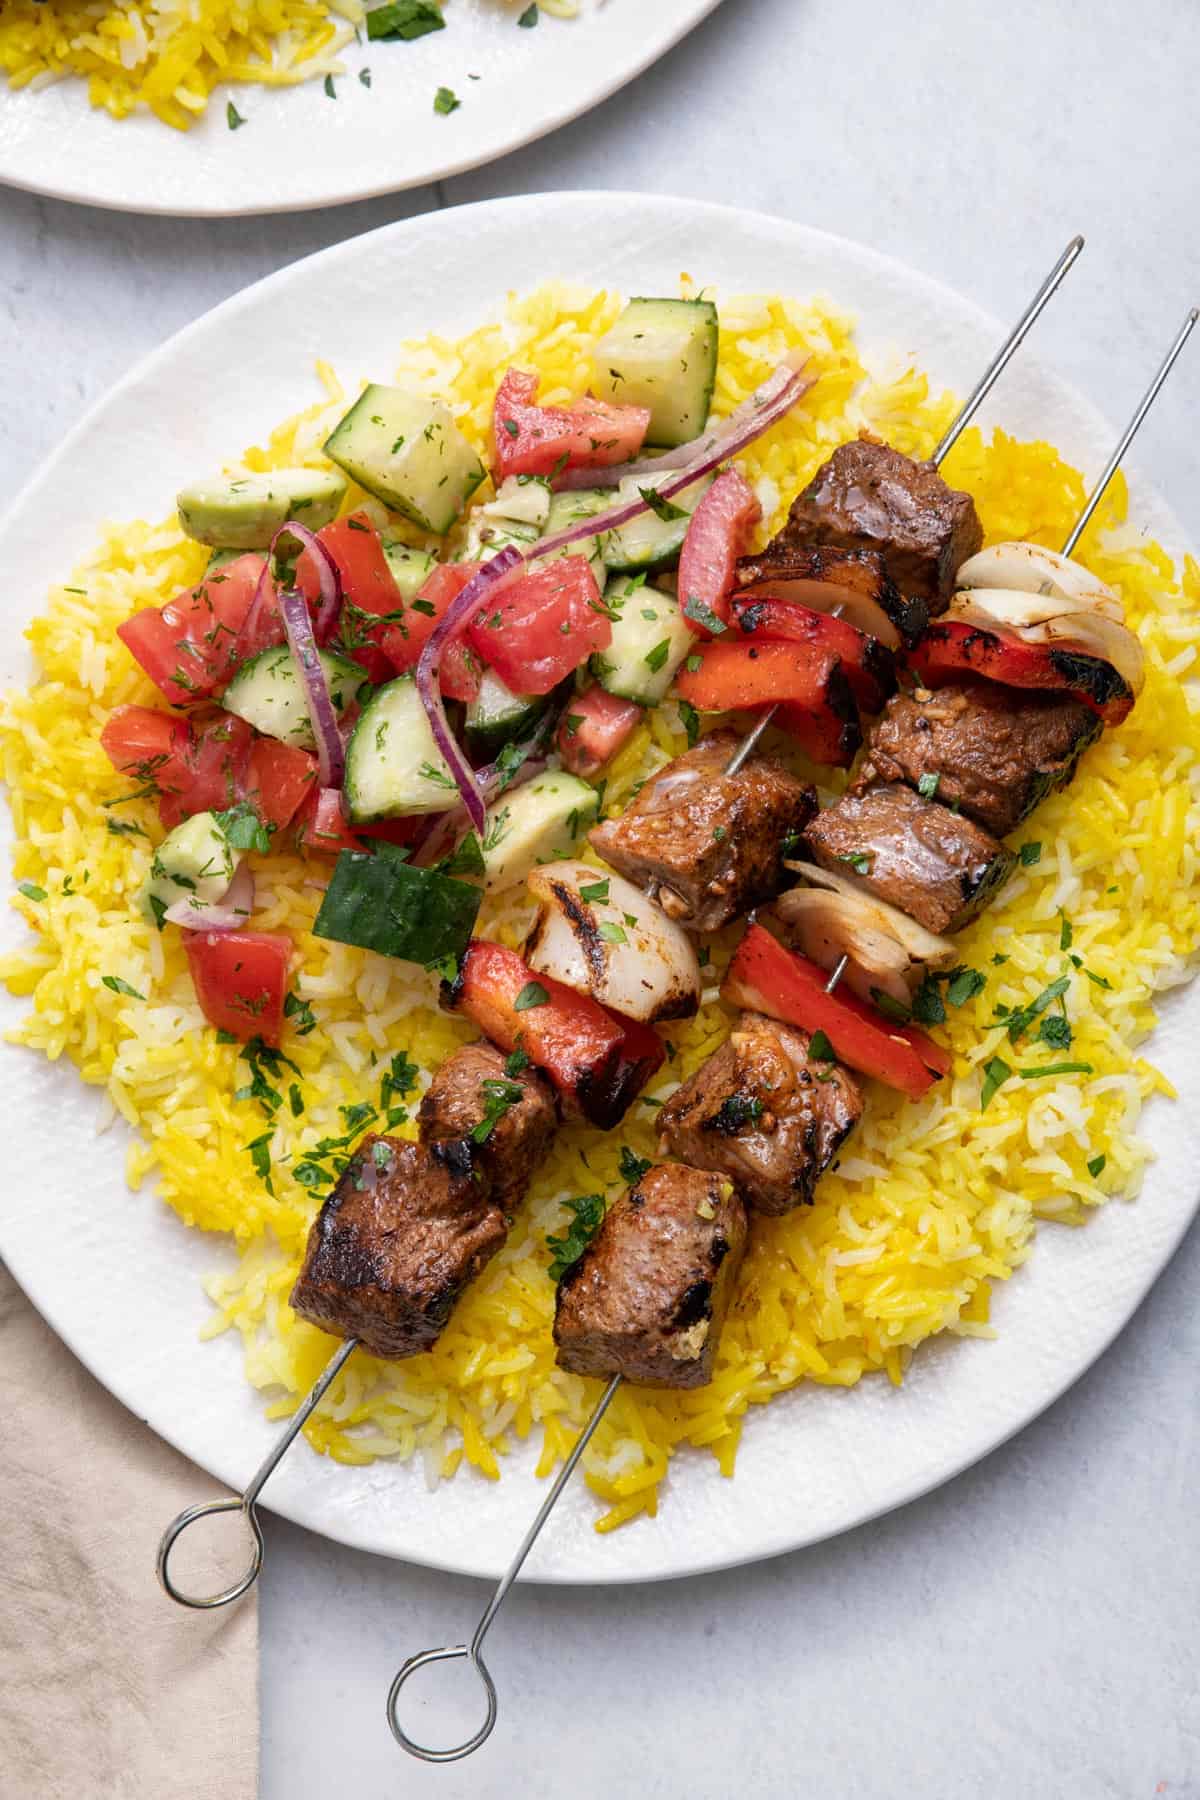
(618, 946)
(1032, 569)
(1035, 619)
(889, 953)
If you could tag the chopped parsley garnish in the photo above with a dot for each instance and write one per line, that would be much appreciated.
(330, 90)
(445, 101)
(1055, 1030)
(891, 1008)
(118, 986)
(1021, 1018)
(819, 1047)
(995, 1073)
(595, 890)
(1064, 1068)
(689, 716)
(700, 613)
(124, 828)
(429, 773)
(31, 890)
(588, 1210)
(859, 860)
(963, 985)
(1030, 853)
(529, 17)
(295, 1100)
(515, 1063)
(233, 117)
(260, 1156)
(654, 659)
(1096, 1165)
(501, 1095)
(467, 859)
(612, 934)
(244, 829)
(632, 1166)
(662, 509)
(1066, 933)
(406, 19)
(399, 1079)
(300, 1010)
(1099, 980)
(532, 994)
(735, 1111)
(927, 787)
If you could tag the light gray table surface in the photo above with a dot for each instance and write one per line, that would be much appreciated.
(1029, 1630)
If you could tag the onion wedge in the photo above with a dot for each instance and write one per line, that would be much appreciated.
(600, 935)
(1032, 569)
(1036, 621)
(888, 952)
(229, 913)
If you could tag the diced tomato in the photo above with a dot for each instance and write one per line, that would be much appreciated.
(278, 779)
(146, 745)
(869, 665)
(767, 978)
(537, 440)
(212, 768)
(598, 1063)
(716, 537)
(189, 647)
(397, 831)
(321, 825)
(367, 588)
(814, 698)
(241, 980)
(594, 727)
(950, 649)
(544, 622)
(262, 628)
(403, 642)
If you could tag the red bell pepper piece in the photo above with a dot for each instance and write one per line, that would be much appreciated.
(716, 537)
(767, 978)
(535, 440)
(816, 704)
(598, 1062)
(950, 649)
(869, 665)
(241, 980)
(594, 727)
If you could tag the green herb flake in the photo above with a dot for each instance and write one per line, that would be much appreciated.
(1063, 1068)
(330, 90)
(1066, 933)
(927, 787)
(528, 18)
(612, 934)
(656, 658)
(859, 860)
(963, 985)
(1030, 853)
(1096, 1165)
(446, 101)
(117, 986)
(633, 1167)
(295, 1100)
(515, 1063)
(690, 717)
(532, 994)
(819, 1048)
(700, 613)
(662, 509)
(499, 1097)
(405, 19)
(588, 1216)
(595, 890)
(31, 890)
(1055, 1030)
(300, 1010)
(233, 117)
(243, 829)
(995, 1073)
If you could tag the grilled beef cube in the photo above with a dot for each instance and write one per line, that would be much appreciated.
(936, 866)
(870, 497)
(713, 842)
(826, 576)
(994, 752)
(648, 1297)
(472, 1088)
(403, 1232)
(763, 1113)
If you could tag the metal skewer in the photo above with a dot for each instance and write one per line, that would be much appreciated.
(472, 1652)
(966, 413)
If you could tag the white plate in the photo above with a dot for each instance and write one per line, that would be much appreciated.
(299, 149)
(119, 1277)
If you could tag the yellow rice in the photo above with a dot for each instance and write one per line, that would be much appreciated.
(167, 56)
(933, 1202)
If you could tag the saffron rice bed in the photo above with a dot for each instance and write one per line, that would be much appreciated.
(936, 1200)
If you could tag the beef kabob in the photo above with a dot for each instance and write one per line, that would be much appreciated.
(646, 1300)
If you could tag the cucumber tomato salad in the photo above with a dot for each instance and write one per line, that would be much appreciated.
(435, 722)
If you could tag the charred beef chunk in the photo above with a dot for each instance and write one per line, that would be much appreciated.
(713, 842)
(870, 497)
(403, 1232)
(828, 578)
(510, 1119)
(762, 1112)
(993, 752)
(936, 866)
(648, 1297)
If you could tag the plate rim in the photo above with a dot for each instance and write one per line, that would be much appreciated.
(654, 49)
(763, 1549)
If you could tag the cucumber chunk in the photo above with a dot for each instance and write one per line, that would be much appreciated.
(243, 512)
(221, 558)
(568, 509)
(393, 765)
(409, 569)
(266, 693)
(486, 535)
(380, 902)
(649, 544)
(535, 824)
(496, 715)
(524, 497)
(406, 450)
(650, 638)
(661, 354)
(194, 862)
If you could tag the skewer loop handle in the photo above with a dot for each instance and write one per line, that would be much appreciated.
(448, 1653)
(175, 1530)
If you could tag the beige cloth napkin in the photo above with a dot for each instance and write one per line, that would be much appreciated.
(108, 1691)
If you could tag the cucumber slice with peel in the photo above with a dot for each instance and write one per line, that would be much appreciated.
(535, 824)
(650, 638)
(393, 764)
(194, 862)
(648, 544)
(267, 694)
(496, 715)
(406, 450)
(243, 512)
(661, 354)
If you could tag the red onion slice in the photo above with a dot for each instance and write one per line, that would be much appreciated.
(768, 405)
(229, 913)
(331, 757)
(327, 575)
(685, 455)
(249, 628)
